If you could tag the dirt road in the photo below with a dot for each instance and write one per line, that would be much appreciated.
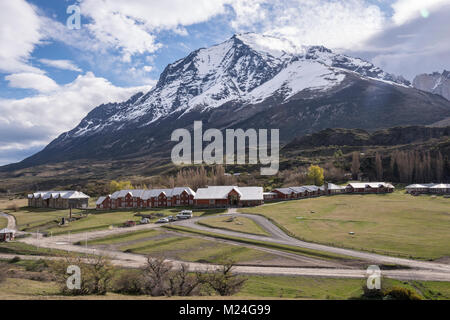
(11, 221)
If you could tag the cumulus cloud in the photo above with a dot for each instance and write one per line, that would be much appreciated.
(131, 26)
(419, 45)
(406, 10)
(19, 25)
(38, 119)
(335, 24)
(61, 64)
(28, 80)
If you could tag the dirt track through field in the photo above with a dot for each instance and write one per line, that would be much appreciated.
(11, 221)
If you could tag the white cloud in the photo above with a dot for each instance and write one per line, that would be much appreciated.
(416, 46)
(28, 80)
(131, 26)
(19, 25)
(407, 10)
(335, 24)
(39, 119)
(61, 64)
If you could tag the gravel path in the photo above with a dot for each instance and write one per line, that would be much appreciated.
(11, 221)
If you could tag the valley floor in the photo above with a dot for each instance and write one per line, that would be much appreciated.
(265, 245)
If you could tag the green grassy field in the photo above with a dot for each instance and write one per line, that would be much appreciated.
(33, 219)
(239, 224)
(270, 245)
(3, 222)
(46, 220)
(196, 250)
(121, 238)
(394, 224)
(332, 289)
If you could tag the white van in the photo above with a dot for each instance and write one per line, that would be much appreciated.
(185, 214)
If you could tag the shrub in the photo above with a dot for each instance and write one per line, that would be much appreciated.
(129, 282)
(400, 293)
(14, 260)
(37, 266)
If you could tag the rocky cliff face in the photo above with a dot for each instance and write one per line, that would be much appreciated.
(437, 83)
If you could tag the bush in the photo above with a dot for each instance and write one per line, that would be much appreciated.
(14, 260)
(37, 266)
(400, 293)
(96, 275)
(129, 282)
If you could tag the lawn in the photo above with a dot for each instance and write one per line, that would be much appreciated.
(394, 224)
(332, 289)
(127, 237)
(46, 220)
(3, 222)
(238, 224)
(33, 219)
(195, 250)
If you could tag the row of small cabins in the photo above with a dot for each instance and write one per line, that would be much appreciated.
(217, 196)
(226, 196)
(429, 188)
(213, 196)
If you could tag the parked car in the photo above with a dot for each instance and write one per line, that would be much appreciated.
(172, 218)
(163, 220)
(185, 214)
(145, 221)
(129, 223)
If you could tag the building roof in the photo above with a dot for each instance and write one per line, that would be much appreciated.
(221, 192)
(6, 230)
(298, 189)
(251, 193)
(152, 193)
(58, 194)
(362, 185)
(441, 186)
(285, 190)
(100, 200)
(332, 186)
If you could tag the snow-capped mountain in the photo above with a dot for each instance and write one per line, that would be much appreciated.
(246, 69)
(249, 81)
(438, 83)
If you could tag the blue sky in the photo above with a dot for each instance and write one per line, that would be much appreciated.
(51, 76)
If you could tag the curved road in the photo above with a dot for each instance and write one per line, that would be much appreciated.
(278, 236)
(11, 220)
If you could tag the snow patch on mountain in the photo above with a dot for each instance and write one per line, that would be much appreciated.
(246, 69)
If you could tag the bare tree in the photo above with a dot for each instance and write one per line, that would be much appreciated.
(379, 166)
(161, 279)
(356, 165)
(96, 274)
(223, 281)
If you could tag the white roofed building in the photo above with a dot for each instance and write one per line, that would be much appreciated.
(229, 196)
(369, 187)
(58, 199)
